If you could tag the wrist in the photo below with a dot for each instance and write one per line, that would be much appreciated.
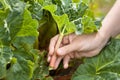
(103, 37)
(104, 33)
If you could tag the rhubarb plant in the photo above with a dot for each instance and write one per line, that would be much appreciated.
(26, 26)
(71, 16)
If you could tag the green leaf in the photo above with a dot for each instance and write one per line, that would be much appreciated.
(36, 9)
(88, 25)
(69, 12)
(51, 8)
(105, 65)
(42, 72)
(29, 26)
(63, 23)
(18, 33)
(21, 69)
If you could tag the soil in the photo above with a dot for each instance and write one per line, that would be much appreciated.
(65, 74)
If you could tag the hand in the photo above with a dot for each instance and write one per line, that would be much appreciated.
(76, 46)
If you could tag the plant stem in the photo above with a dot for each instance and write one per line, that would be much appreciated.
(60, 38)
(59, 41)
(54, 57)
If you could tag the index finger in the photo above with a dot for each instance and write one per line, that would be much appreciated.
(53, 42)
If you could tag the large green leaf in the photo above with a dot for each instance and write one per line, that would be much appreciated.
(62, 21)
(78, 14)
(104, 66)
(18, 32)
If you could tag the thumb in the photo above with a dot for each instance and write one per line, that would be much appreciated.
(66, 49)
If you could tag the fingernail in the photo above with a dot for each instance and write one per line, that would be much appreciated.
(65, 66)
(48, 60)
(55, 67)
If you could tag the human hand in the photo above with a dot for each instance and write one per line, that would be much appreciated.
(75, 46)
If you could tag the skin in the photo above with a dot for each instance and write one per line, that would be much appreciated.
(86, 45)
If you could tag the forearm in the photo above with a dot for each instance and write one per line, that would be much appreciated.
(111, 23)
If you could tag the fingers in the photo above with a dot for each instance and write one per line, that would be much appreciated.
(66, 49)
(49, 58)
(56, 59)
(57, 62)
(52, 44)
(67, 58)
(66, 61)
(66, 40)
(52, 47)
(54, 62)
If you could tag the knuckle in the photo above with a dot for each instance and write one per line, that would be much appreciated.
(52, 39)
